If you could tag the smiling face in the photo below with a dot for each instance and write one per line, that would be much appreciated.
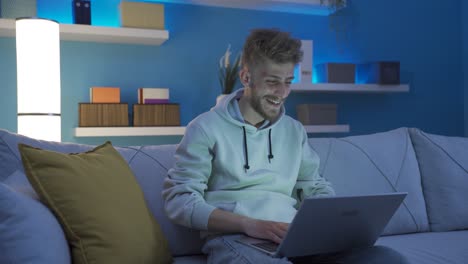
(267, 86)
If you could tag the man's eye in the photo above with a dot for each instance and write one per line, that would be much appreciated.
(272, 82)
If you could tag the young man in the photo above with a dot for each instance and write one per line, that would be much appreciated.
(244, 166)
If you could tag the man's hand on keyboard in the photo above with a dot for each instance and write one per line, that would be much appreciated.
(274, 231)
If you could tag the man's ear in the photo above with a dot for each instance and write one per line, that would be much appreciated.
(244, 76)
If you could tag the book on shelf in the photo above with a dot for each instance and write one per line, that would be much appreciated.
(99, 94)
(155, 101)
(103, 115)
(153, 95)
(156, 115)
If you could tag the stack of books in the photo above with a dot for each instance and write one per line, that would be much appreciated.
(153, 96)
(104, 109)
(155, 109)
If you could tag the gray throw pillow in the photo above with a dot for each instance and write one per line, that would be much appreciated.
(443, 162)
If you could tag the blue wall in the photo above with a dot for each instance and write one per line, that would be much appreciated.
(424, 37)
(464, 15)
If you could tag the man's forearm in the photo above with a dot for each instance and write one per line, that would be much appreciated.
(225, 221)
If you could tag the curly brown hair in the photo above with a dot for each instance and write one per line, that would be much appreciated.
(273, 44)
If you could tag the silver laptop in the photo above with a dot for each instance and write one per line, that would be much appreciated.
(332, 224)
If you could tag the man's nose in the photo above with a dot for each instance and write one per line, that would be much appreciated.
(282, 90)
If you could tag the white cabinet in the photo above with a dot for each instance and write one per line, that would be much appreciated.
(310, 7)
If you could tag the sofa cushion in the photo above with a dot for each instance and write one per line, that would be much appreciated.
(443, 162)
(377, 163)
(430, 247)
(99, 204)
(29, 231)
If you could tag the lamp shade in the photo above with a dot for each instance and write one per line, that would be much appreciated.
(38, 78)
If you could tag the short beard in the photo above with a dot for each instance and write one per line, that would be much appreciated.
(256, 104)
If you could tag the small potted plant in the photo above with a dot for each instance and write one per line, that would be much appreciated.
(228, 73)
(334, 5)
(339, 20)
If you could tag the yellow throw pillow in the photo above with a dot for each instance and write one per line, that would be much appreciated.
(99, 204)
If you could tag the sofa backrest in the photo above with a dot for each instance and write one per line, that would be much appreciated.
(10, 161)
(377, 163)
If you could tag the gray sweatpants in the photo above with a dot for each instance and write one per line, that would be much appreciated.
(225, 250)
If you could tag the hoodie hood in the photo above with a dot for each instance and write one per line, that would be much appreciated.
(226, 109)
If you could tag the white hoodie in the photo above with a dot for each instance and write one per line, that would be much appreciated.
(224, 163)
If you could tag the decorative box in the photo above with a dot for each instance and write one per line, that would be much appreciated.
(142, 15)
(336, 73)
(103, 115)
(81, 11)
(381, 72)
(306, 73)
(156, 115)
(317, 114)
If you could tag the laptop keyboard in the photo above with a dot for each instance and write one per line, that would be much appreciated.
(268, 246)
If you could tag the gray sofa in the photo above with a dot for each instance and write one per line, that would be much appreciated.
(431, 226)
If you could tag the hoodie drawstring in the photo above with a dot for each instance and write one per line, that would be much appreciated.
(246, 165)
(246, 151)
(270, 155)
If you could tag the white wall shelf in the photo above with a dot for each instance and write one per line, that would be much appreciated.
(87, 33)
(309, 7)
(176, 131)
(349, 88)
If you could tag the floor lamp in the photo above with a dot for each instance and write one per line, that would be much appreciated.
(38, 78)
